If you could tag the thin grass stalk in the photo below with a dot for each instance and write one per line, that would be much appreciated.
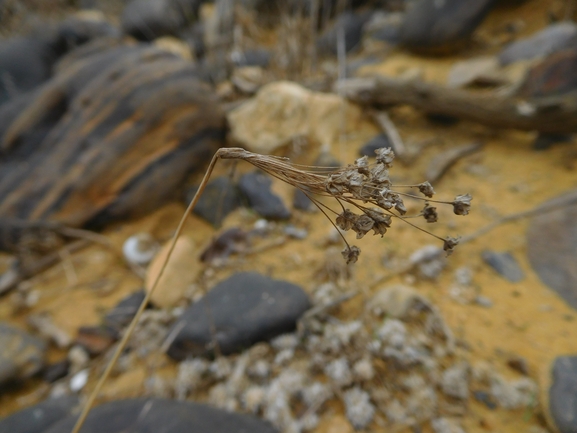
(144, 303)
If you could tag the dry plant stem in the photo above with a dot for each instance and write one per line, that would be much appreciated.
(561, 202)
(9, 280)
(389, 128)
(144, 303)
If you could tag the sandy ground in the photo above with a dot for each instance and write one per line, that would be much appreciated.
(526, 319)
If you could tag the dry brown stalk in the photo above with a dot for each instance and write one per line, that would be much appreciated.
(357, 185)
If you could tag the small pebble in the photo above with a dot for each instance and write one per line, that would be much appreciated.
(483, 301)
(139, 249)
(295, 232)
(79, 380)
(504, 264)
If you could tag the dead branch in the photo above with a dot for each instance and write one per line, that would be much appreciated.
(553, 114)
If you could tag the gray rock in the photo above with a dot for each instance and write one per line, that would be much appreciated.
(40, 417)
(377, 142)
(433, 25)
(257, 57)
(159, 415)
(544, 141)
(352, 24)
(220, 197)
(562, 394)
(385, 27)
(485, 398)
(240, 311)
(256, 187)
(21, 354)
(555, 37)
(124, 311)
(28, 61)
(552, 246)
(150, 19)
(301, 201)
(504, 264)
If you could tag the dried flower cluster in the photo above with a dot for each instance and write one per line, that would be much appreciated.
(364, 186)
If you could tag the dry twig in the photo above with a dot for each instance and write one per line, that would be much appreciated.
(553, 114)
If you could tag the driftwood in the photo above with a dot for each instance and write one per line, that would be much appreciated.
(554, 114)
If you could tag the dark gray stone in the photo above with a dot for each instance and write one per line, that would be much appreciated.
(504, 264)
(377, 142)
(27, 61)
(552, 246)
(220, 197)
(385, 27)
(40, 417)
(257, 57)
(150, 19)
(256, 187)
(485, 398)
(244, 309)
(122, 314)
(21, 354)
(56, 371)
(544, 141)
(442, 26)
(167, 416)
(301, 201)
(352, 24)
(553, 38)
(563, 394)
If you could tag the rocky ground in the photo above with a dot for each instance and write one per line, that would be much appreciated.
(405, 339)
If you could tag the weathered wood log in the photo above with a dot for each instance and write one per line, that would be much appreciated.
(112, 135)
(552, 114)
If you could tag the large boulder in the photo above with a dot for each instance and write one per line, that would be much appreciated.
(441, 26)
(153, 415)
(112, 135)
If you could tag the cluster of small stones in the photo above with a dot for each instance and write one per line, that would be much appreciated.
(386, 371)
(368, 183)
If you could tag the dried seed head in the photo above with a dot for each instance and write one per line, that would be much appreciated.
(427, 189)
(351, 254)
(380, 176)
(430, 213)
(450, 244)
(346, 220)
(363, 224)
(385, 156)
(381, 221)
(400, 206)
(362, 165)
(462, 204)
(360, 182)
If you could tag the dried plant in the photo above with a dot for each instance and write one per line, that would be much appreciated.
(365, 187)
